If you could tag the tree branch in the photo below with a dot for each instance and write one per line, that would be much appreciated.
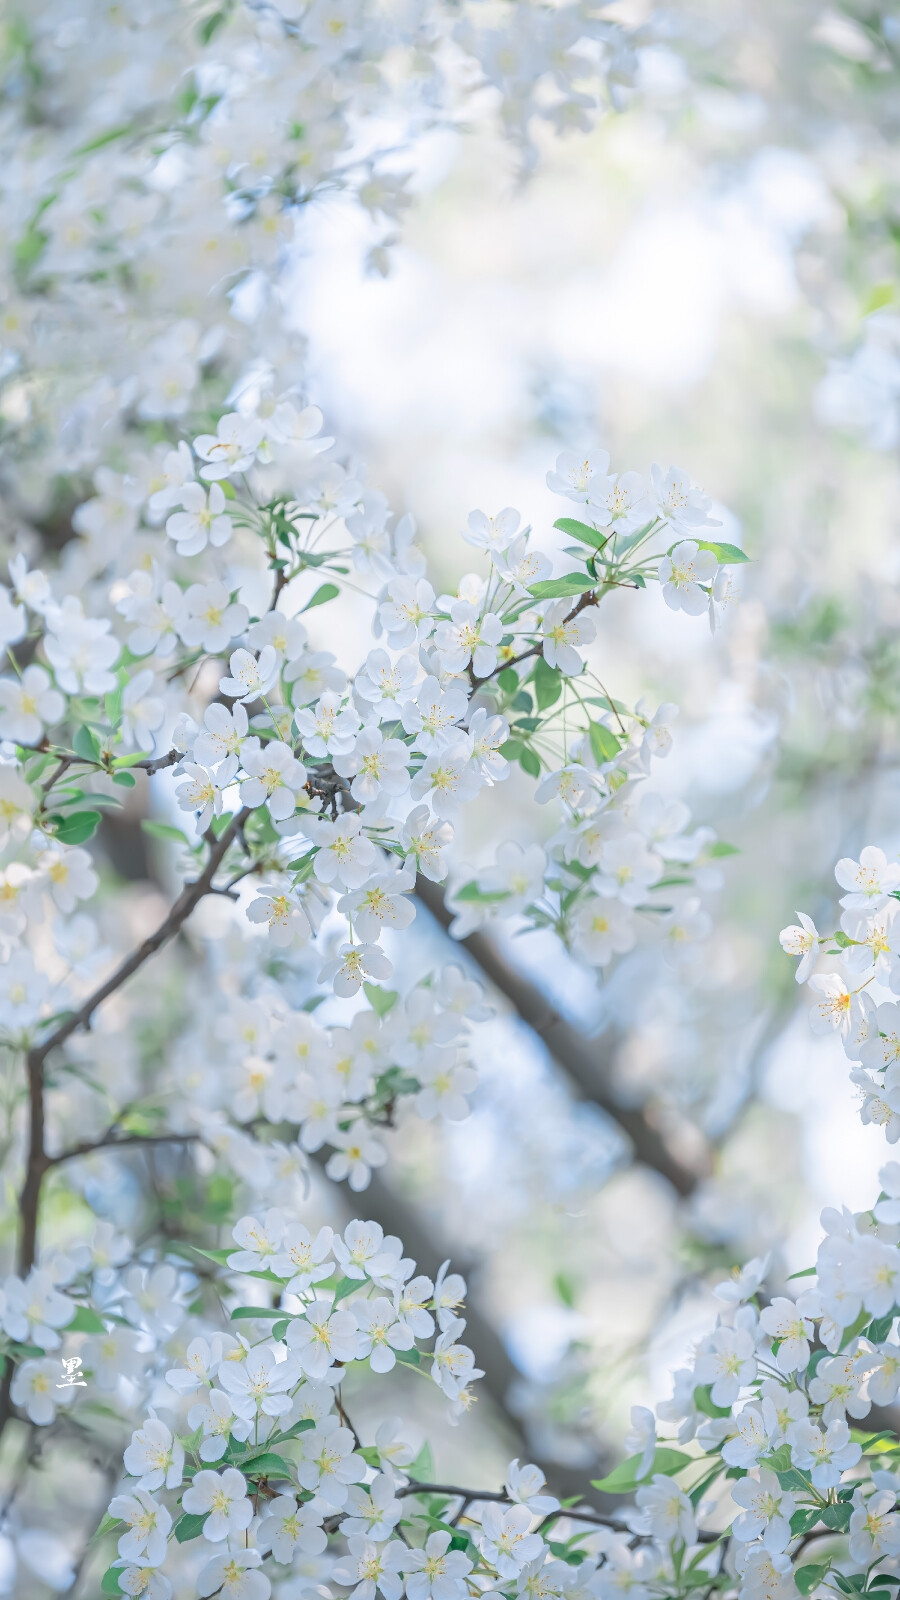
(37, 1159)
(578, 1057)
(111, 1142)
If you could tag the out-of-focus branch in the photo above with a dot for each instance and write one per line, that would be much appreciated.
(584, 1061)
(396, 1215)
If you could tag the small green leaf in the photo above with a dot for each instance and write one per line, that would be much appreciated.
(107, 1524)
(470, 894)
(582, 531)
(248, 1313)
(268, 1465)
(880, 295)
(605, 745)
(85, 1321)
(86, 745)
(720, 848)
(164, 830)
(125, 780)
(547, 683)
(219, 1256)
(803, 1520)
(808, 1578)
(879, 1328)
(345, 1287)
(189, 1526)
(561, 588)
(279, 1329)
(130, 760)
(410, 1358)
(291, 1433)
(625, 1477)
(704, 1402)
(725, 554)
(530, 762)
(508, 680)
(205, 32)
(837, 1517)
(381, 1000)
(78, 827)
(805, 1272)
(324, 593)
(422, 1469)
(109, 1583)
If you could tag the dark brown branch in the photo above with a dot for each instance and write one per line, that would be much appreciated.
(589, 598)
(580, 1058)
(37, 1160)
(111, 1141)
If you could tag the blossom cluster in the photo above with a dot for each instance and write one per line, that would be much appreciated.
(149, 228)
(854, 1002)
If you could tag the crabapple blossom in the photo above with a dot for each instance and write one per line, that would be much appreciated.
(683, 574)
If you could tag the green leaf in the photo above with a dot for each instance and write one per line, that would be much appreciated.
(164, 830)
(470, 894)
(109, 1583)
(85, 1321)
(410, 1358)
(837, 1517)
(582, 531)
(219, 1256)
(248, 1313)
(125, 780)
(704, 1402)
(130, 760)
(547, 683)
(291, 1433)
(86, 745)
(107, 1524)
(720, 848)
(381, 1000)
(803, 1520)
(189, 1526)
(205, 31)
(805, 1272)
(345, 1287)
(324, 593)
(78, 827)
(565, 1288)
(605, 745)
(880, 295)
(422, 1469)
(792, 1479)
(508, 680)
(855, 1328)
(561, 588)
(725, 554)
(807, 1578)
(530, 762)
(269, 1465)
(879, 1328)
(624, 1477)
(279, 1329)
